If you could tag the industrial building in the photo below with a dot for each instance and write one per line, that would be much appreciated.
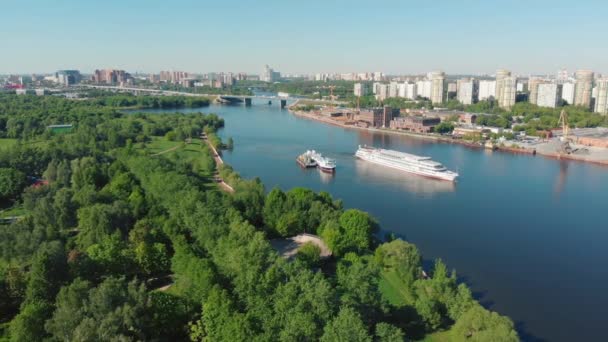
(418, 124)
(377, 117)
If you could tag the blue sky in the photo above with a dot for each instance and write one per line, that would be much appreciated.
(458, 36)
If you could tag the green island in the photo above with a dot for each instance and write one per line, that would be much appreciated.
(118, 229)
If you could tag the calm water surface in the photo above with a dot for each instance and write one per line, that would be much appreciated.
(528, 234)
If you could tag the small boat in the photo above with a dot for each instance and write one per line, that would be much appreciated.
(306, 161)
(325, 164)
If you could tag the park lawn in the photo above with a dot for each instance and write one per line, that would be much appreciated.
(7, 143)
(394, 290)
(16, 210)
(159, 144)
(439, 336)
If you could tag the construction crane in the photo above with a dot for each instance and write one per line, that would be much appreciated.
(565, 147)
(563, 121)
(331, 96)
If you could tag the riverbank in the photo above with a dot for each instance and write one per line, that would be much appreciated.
(443, 139)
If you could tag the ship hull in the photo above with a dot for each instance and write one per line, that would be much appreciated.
(327, 170)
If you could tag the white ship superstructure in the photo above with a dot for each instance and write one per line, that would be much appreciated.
(411, 163)
(324, 163)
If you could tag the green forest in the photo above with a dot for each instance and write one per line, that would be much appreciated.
(116, 230)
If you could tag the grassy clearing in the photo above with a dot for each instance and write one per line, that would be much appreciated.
(394, 290)
(159, 144)
(16, 210)
(7, 143)
(440, 336)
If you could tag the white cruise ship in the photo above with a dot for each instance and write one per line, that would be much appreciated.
(411, 163)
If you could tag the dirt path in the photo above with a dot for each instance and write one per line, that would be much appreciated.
(168, 150)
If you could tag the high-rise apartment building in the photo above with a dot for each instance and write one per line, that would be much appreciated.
(361, 89)
(393, 89)
(506, 88)
(410, 91)
(601, 99)
(533, 84)
(568, 92)
(270, 75)
(583, 88)
(549, 94)
(487, 90)
(467, 91)
(110, 76)
(68, 77)
(438, 87)
(174, 77)
(423, 89)
(562, 76)
(382, 91)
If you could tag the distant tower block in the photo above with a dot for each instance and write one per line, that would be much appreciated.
(283, 103)
(248, 101)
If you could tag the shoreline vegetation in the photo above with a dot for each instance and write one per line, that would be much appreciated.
(438, 138)
(125, 235)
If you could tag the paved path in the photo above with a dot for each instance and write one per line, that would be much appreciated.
(218, 161)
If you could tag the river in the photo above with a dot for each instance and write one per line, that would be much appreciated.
(524, 232)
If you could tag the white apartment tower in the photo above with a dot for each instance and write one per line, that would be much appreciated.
(506, 88)
(568, 92)
(549, 95)
(601, 100)
(583, 88)
(487, 90)
(438, 87)
(467, 91)
(361, 89)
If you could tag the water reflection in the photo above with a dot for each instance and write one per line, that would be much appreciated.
(381, 175)
(326, 178)
(561, 178)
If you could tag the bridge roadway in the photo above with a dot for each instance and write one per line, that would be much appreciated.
(172, 92)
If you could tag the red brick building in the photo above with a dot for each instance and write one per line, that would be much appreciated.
(418, 124)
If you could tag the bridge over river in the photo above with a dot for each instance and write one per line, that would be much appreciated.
(221, 98)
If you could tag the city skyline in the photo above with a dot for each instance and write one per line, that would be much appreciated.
(149, 36)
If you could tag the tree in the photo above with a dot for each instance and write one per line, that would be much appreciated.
(388, 333)
(358, 228)
(69, 310)
(28, 325)
(114, 310)
(49, 271)
(310, 254)
(347, 326)
(12, 182)
(274, 207)
(358, 286)
(220, 321)
(301, 306)
(444, 127)
(402, 257)
(100, 220)
(479, 324)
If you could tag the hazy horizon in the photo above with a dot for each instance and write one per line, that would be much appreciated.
(395, 37)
